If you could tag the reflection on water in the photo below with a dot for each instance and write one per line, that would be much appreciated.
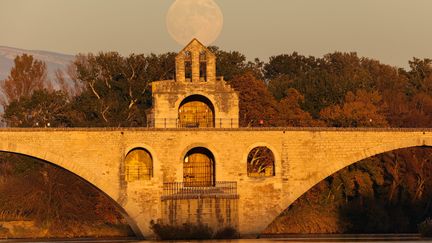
(292, 239)
(317, 240)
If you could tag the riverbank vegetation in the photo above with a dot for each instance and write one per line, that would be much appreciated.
(425, 228)
(387, 193)
(41, 200)
(189, 231)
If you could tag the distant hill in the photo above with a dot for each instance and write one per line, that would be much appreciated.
(53, 60)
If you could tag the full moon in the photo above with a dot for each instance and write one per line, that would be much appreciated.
(188, 19)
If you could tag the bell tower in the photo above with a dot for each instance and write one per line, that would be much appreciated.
(195, 63)
(196, 98)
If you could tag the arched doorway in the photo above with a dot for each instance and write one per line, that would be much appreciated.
(196, 111)
(198, 168)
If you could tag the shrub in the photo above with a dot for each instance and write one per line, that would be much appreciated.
(425, 228)
(3, 231)
(228, 232)
(190, 231)
(186, 231)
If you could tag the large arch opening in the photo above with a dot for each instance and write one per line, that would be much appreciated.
(199, 168)
(45, 200)
(389, 192)
(196, 111)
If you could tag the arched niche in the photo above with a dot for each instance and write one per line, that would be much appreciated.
(199, 168)
(261, 162)
(196, 111)
(138, 165)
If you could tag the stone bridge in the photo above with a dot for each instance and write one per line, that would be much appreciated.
(303, 157)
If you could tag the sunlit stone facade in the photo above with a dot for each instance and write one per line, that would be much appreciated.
(195, 78)
(133, 166)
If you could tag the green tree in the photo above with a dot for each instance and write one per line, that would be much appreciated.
(159, 67)
(325, 81)
(294, 66)
(233, 63)
(421, 70)
(117, 90)
(279, 86)
(42, 109)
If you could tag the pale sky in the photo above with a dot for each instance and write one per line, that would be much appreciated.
(392, 31)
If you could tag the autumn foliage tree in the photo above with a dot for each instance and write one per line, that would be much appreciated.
(257, 105)
(290, 112)
(32, 189)
(382, 194)
(27, 75)
(360, 109)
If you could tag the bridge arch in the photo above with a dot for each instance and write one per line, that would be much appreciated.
(59, 161)
(52, 157)
(360, 155)
(347, 161)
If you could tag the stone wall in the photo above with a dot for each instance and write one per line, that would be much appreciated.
(168, 95)
(216, 212)
(193, 53)
(303, 157)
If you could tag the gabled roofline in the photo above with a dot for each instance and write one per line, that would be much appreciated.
(199, 42)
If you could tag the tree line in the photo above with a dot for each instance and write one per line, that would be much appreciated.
(385, 193)
(338, 90)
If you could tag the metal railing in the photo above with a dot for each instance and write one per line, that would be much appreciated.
(199, 123)
(133, 173)
(180, 190)
(222, 123)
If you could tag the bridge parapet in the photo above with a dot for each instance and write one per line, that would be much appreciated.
(263, 128)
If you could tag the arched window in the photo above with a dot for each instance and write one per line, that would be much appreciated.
(138, 165)
(188, 65)
(203, 66)
(260, 162)
(196, 111)
(198, 168)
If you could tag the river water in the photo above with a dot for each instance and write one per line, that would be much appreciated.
(292, 239)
